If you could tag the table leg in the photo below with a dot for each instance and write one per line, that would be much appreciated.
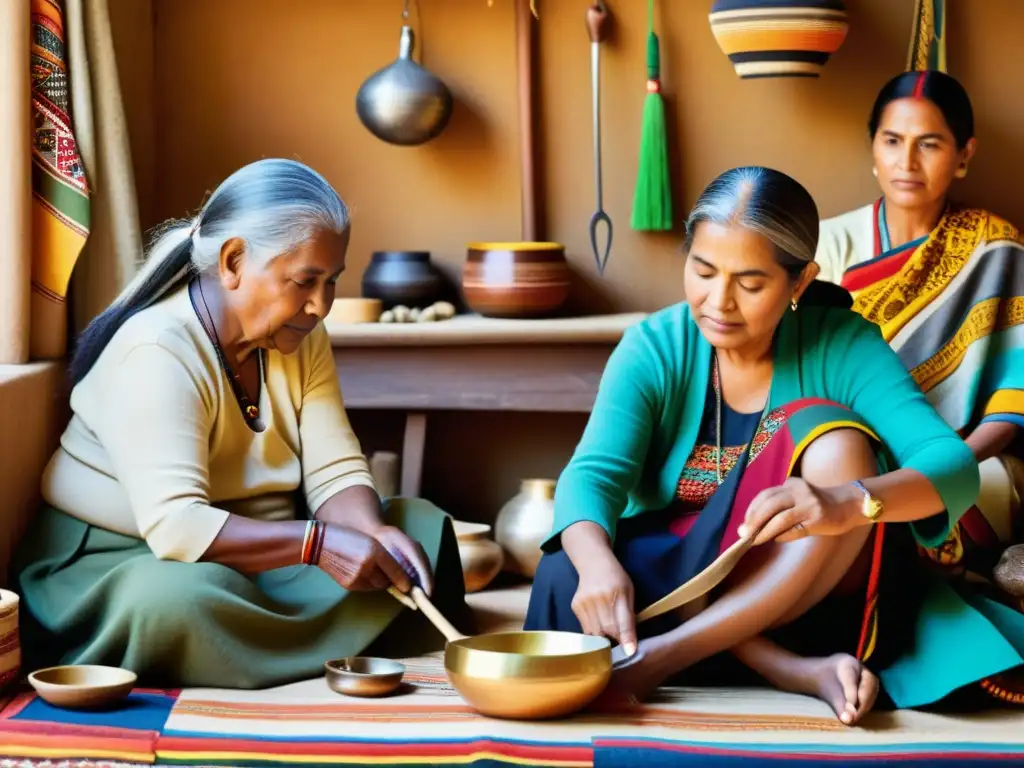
(412, 453)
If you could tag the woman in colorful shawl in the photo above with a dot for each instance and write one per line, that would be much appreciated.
(763, 408)
(945, 283)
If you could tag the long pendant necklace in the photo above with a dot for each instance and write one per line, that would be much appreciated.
(718, 418)
(250, 410)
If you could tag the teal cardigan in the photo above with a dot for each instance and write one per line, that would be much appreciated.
(650, 402)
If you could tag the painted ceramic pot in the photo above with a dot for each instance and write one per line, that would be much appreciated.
(10, 638)
(481, 557)
(523, 523)
(516, 280)
(779, 38)
(403, 277)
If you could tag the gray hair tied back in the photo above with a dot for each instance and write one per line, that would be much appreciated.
(764, 201)
(274, 205)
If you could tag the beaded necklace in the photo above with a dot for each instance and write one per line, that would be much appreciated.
(250, 410)
(717, 382)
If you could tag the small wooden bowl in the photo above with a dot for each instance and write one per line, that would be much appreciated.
(350, 310)
(515, 280)
(364, 675)
(82, 686)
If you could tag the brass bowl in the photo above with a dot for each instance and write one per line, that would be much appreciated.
(82, 686)
(364, 675)
(529, 675)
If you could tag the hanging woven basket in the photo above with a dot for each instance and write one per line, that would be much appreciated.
(778, 38)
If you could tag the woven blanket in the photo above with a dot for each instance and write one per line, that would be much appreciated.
(427, 723)
(32, 730)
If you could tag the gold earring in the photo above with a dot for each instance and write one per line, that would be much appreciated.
(961, 172)
(792, 305)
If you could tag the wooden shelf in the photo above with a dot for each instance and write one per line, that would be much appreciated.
(467, 330)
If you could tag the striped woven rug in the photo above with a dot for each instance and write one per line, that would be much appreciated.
(427, 723)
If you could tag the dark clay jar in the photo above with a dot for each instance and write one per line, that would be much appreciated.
(403, 277)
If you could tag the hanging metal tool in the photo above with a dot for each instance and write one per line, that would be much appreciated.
(404, 103)
(597, 25)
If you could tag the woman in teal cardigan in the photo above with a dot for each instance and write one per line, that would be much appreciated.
(762, 407)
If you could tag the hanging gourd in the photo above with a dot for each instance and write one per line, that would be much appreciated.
(779, 38)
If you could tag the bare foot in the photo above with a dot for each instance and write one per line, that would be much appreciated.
(1009, 571)
(840, 681)
(634, 678)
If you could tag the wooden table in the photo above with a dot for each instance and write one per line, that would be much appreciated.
(472, 363)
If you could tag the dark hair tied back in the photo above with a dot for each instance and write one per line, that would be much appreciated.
(943, 90)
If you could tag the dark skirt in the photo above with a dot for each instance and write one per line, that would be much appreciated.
(651, 554)
(905, 625)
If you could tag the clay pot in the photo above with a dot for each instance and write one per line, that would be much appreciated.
(10, 638)
(403, 277)
(523, 523)
(481, 557)
(524, 279)
(778, 39)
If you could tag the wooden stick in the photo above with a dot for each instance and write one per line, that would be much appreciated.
(405, 600)
(527, 150)
(436, 618)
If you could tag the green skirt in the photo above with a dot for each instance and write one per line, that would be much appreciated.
(90, 596)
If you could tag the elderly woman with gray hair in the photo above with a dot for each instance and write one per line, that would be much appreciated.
(763, 408)
(210, 519)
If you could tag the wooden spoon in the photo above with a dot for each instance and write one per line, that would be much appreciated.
(702, 583)
(696, 587)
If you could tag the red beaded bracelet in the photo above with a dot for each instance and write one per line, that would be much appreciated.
(313, 542)
(318, 542)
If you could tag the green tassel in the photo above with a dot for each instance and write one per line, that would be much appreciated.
(652, 198)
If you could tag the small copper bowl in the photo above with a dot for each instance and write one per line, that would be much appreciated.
(515, 280)
(364, 675)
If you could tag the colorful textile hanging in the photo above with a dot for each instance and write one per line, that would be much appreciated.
(779, 38)
(928, 38)
(60, 192)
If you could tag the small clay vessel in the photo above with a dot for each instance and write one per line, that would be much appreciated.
(523, 523)
(515, 280)
(403, 277)
(481, 557)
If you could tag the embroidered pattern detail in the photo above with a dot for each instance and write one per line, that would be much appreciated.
(699, 479)
(892, 303)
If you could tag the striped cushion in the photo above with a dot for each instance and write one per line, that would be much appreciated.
(779, 38)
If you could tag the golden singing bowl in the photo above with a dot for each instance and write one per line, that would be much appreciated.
(529, 675)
